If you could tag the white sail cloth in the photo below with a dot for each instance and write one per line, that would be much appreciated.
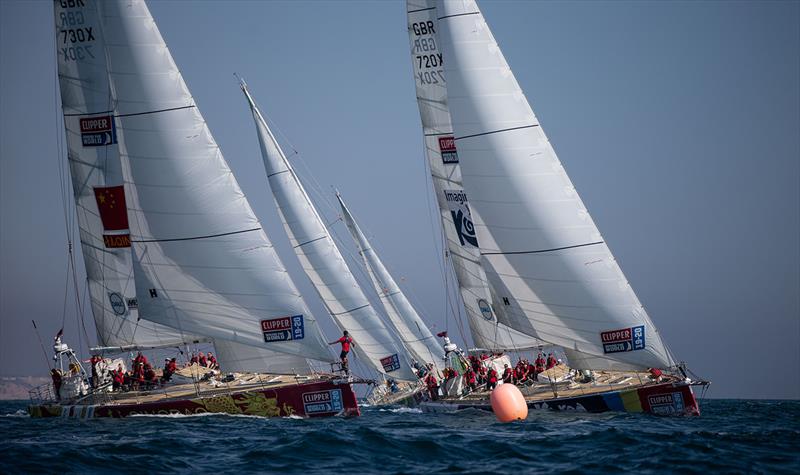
(413, 332)
(237, 358)
(443, 162)
(541, 250)
(323, 263)
(201, 260)
(87, 101)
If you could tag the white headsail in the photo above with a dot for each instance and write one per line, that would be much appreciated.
(443, 162)
(413, 332)
(201, 260)
(540, 248)
(324, 264)
(97, 179)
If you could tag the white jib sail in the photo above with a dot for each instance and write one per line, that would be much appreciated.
(324, 264)
(413, 332)
(202, 262)
(540, 248)
(87, 101)
(443, 162)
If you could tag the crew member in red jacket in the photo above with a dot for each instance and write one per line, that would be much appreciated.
(470, 379)
(346, 342)
(551, 361)
(508, 375)
(433, 386)
(491, 379)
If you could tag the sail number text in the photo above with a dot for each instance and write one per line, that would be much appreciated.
(427, 60)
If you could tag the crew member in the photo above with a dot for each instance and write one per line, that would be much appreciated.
(346, 341)
(202, 360)
(212, 361)
(508, 375)
(433, 386)
(470, 379)
(170, 366)
(95, 377)
(655, 374)
(56, 375)
(491, 376)
(551, 361)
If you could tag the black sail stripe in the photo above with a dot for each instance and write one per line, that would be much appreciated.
(541, 250)
(497, 131)
(458, 14)
(208, 236)
(351, 310)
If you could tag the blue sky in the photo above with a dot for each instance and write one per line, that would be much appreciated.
(677, 121)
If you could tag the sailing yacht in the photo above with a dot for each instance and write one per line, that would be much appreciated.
(532, 268)
(174, 254)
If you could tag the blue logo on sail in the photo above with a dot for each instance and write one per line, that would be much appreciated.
(283, 329)
(462, 218)
(624, 339)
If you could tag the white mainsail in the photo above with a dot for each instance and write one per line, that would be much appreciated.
(324, 264)
(235, 357)
(413, 332)
(540, 248)
(443, 162)
(96, 172)
(202, 262)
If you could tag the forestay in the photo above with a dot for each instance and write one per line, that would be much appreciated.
(540, 248)
(443, 162)
(323, 263)
(201, 260)
(413, 332)
(87, 101)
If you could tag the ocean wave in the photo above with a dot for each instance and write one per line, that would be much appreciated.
(17, 413)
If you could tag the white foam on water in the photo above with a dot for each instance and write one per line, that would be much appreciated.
(19, 413)
(403, 410)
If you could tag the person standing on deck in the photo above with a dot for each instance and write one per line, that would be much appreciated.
(508, 375)
(491, 379)
(346, 342)
(95, 376)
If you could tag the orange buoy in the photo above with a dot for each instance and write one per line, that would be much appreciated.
(508, 403)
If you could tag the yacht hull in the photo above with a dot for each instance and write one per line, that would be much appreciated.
(316, 399)
(673, 398)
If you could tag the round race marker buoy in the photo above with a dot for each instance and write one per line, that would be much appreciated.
(508, 403)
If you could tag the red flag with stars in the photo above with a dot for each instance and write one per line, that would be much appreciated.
(111, 204)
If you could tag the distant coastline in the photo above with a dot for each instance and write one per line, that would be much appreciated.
(17, 387)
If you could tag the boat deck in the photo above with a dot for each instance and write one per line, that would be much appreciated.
(187, 383)
(603, 382)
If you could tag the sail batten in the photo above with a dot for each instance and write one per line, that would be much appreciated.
(538, 242)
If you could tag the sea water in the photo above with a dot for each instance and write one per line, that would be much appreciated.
(730, 436)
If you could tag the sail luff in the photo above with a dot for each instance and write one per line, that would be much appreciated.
(540, 247)
(413, 331)
(323, 263)
(442, 161)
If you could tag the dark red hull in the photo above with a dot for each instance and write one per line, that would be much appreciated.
(318, 399)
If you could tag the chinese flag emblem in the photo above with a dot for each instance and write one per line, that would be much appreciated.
(111, 205)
